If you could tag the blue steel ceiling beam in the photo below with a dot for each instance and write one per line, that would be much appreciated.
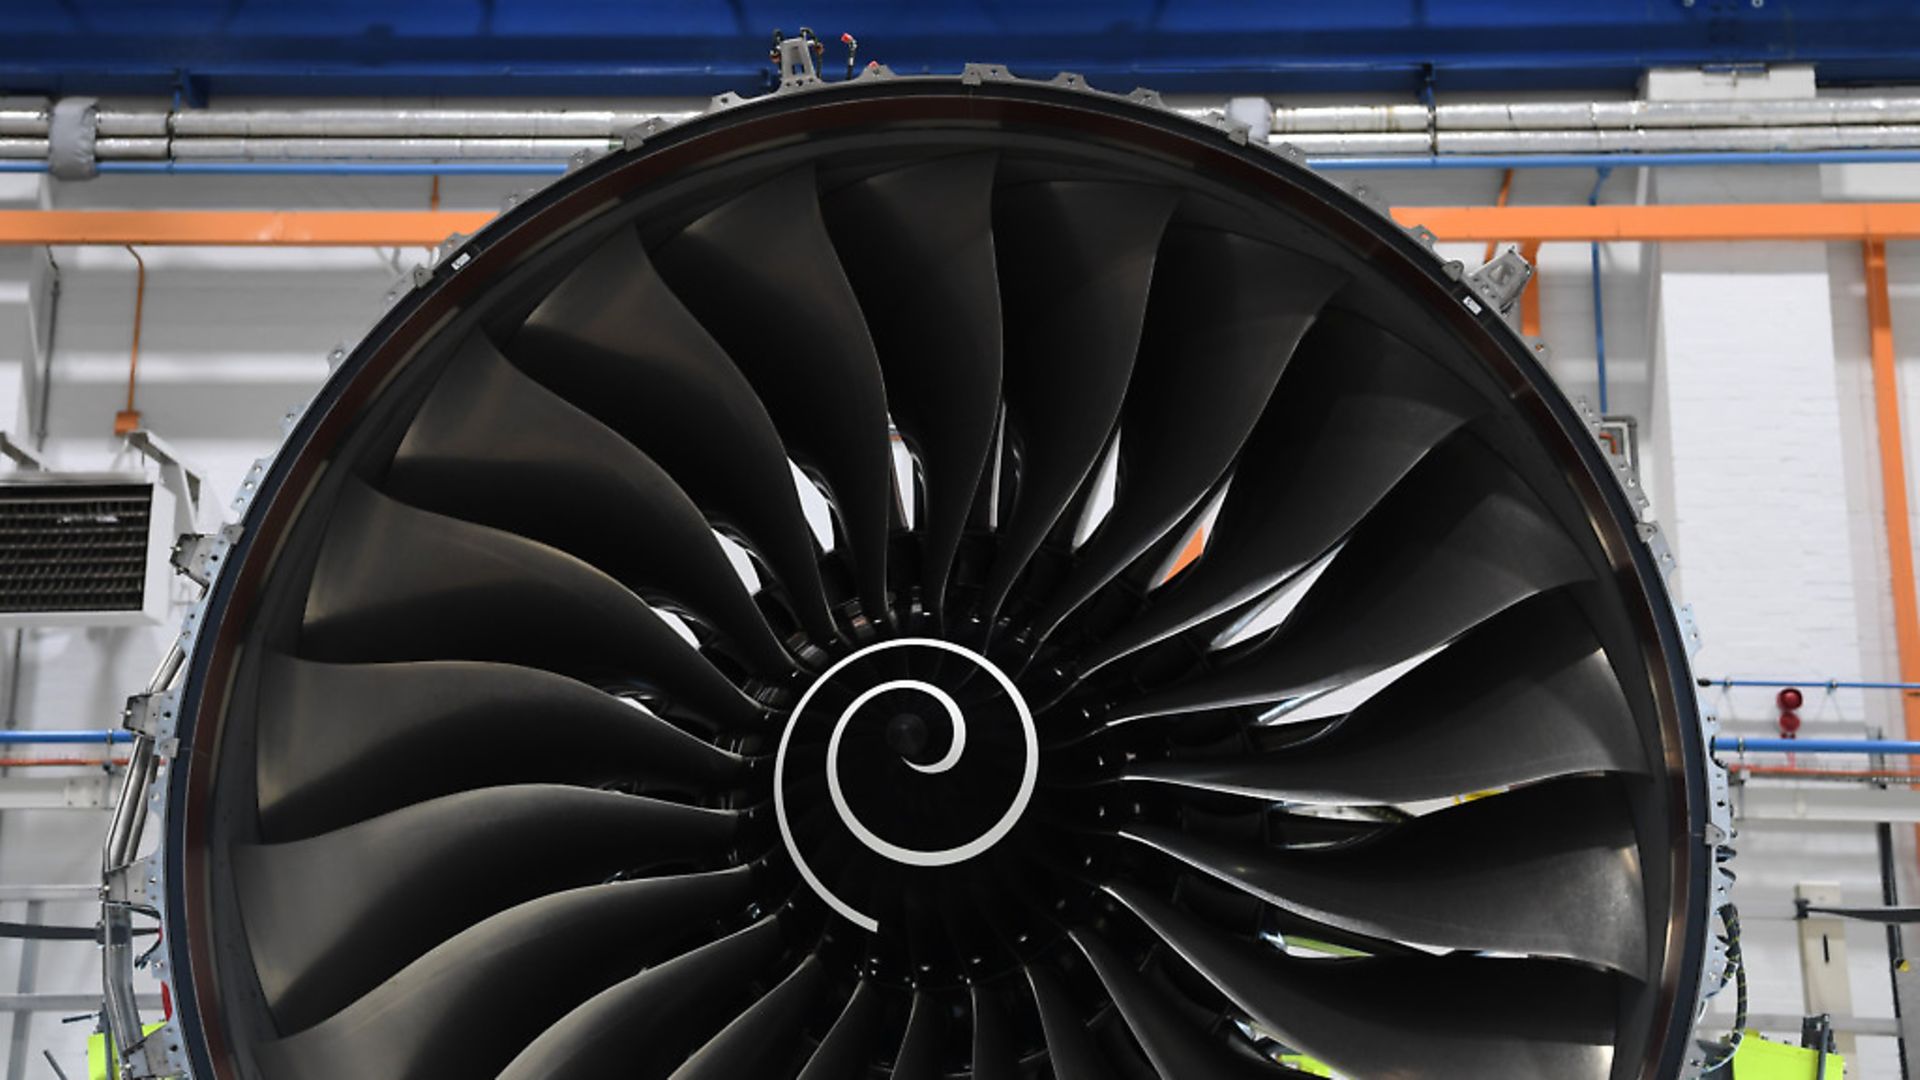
(502, 47)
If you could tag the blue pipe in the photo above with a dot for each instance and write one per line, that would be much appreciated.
(1599, 304)
(314, 168)
(340, 168)
(1625, 160)
(1364, 164)
(101, 737)
(1830, 684)
(1737, 744)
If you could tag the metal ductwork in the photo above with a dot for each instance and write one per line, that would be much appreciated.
(932, 577)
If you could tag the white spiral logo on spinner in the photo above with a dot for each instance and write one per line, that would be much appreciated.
(1029, 775)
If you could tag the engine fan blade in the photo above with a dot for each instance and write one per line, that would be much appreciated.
(760, 272)
(1526, 696)
(993, 1056)
(328, 918)
(920, 1047)
(448, 1013)
(352, 739)
(494, 447)
(435, 589)
(1445, 1018)
(614, 340)
(763, 1035)
(1177, 1049)
(1070, 1048)
(1356, 409)
(1549, 870)
(917, 244)
(1462, 540)
(644, 1026)
(1225, 315)
(1076, 261)
(848, 1047)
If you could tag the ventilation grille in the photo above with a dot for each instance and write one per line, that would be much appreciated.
(71, 547)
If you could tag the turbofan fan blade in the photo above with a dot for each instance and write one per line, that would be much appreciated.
(328, 918)
(993, 1056)
(760, 272)
(1550, 870)
(1444, 1018)
(1224, 317)
(1076, 261)
(435, 589)
(1177, 1048)
(1526, 696)
(352, 739)
(466, 1008)
(760, 1037)
(644, 1026)
(917, 243)
(494, 447)
(1462, 540)
(615, 341)
(847, 1049)
(1070, 1048)
(1356, 409)
(920, 1047)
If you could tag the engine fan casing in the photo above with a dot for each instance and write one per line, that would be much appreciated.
(208, 797)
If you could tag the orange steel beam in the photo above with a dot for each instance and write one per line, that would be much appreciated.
(1756, 221)
(427, 228)
(243, 228)
(1893, 479)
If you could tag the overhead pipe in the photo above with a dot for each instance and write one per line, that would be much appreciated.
(1830, 684)
(1462, 135)
(30, 116)
(1595, 115)
(1599, 299)
(1679, 140)
(311, 167)
(1741, 744)
(1611, 160)
(31, 737)
(32, 159)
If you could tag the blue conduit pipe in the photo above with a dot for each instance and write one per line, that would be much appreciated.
(314, 168)
(1623, 161)
(1599, 305)
(1355, 164)
(340, 168)
(1738, 744)
(102, 737)
(1829, 684)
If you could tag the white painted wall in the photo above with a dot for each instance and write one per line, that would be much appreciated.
(1746, 367)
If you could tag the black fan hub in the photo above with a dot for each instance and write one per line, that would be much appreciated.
(920, 799)
(908, 736)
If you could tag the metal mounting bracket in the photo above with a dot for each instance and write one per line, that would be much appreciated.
(199, 555)
(176, 476)
(20, 455)
(1502, 279)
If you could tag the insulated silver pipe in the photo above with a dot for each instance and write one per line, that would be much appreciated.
(23, 121)
(422, 123)
(20, 146)
(428, 134)
(1594, 115)
(402, 149)
(1830, 137)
